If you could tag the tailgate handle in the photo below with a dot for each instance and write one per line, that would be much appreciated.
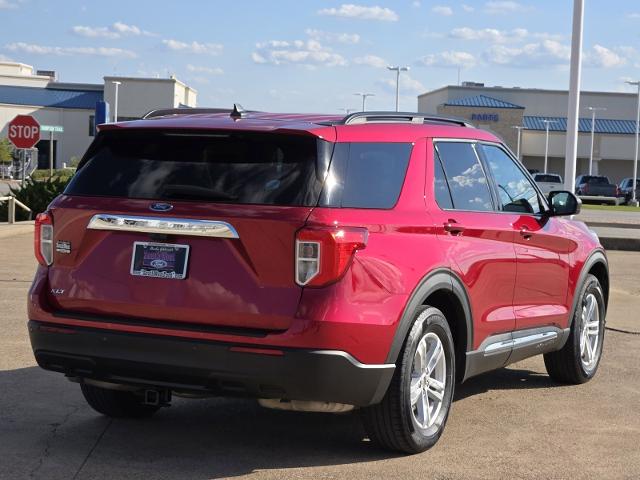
(162, 225)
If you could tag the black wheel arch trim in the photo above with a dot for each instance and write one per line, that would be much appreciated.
(595, 257)
(440, 279)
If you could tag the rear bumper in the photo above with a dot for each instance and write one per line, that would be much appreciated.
(209, 367)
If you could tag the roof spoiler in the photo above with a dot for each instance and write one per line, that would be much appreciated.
(236, 112)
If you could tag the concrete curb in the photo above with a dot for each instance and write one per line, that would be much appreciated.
(19, 228)
(624, 244)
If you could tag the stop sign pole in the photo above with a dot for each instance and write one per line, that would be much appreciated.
(24, 133)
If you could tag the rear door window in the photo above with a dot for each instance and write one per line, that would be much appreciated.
(239, 167)
(465, 176)
(366, 175)
(441, 188)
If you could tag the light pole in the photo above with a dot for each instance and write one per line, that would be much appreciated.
(397, 69)
(519, 128)
(634, 200)
(546, 143)
(364, 98)
(573, 107)
(593, 111)
(115, 106)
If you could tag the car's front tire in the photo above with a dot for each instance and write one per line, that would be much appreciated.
(116, 403)
(577, 362)
(414, 411)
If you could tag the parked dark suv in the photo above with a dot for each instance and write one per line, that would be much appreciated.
(313, 262)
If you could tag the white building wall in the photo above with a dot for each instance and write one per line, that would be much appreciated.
(138, 96)
(72, 143)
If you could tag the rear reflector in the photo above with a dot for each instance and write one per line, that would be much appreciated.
(259, 351)
(323, 254)
(43, 239)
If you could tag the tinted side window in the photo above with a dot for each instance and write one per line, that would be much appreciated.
(464, 174)
(515, 191)
(441, 188)
(366, 175)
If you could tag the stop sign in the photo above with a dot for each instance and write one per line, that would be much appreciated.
(24, 131)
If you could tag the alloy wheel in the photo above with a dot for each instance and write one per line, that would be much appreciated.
(428, 380)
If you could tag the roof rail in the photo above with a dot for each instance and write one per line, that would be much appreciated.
(183, 111)
(400, 117)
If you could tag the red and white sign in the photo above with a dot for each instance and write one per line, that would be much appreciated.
(24, 131)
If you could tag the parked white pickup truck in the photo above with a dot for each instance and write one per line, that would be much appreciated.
(548, 182)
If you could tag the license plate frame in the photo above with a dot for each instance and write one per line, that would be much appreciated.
(174, 256)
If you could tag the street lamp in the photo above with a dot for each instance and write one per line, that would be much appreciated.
(546, 144)
(397, 69)
(519, 128)
(634, 200)
(593, 111)
(364, 98)
(348, 110)
(115, 106)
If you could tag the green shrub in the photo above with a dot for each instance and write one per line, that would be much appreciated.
(36, 195)
(64, 173)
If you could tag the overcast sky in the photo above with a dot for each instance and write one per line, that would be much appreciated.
(306, 55)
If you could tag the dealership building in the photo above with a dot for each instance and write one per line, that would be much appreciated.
(501, 109)
(72, 106)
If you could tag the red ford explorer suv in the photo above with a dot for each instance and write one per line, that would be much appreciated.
(313, 262)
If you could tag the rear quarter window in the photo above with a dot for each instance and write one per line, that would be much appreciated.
(366, 175)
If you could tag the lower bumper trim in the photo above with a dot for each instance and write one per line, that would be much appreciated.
(208, 367)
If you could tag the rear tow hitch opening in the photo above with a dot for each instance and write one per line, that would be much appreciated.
(157, 398)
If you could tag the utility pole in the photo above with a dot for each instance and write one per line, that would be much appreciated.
(397, 69)
(634, 200)
(115, 106)
(364, 98)
(546, 143)
(593, 111)
(571, 149)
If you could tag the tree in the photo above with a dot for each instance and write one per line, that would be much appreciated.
(6, 151)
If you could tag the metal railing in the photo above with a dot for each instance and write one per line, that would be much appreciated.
(12, 202)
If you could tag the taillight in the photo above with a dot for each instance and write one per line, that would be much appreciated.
(323, 254)
(43, 240)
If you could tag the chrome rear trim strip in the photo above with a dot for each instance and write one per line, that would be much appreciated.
(162, 225)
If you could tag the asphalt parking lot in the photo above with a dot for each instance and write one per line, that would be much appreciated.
(513, 423)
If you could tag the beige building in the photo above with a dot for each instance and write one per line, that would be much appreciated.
(500, 110)
(72, 106)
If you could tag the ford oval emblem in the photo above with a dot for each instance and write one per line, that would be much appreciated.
(161, 207)
(157, 263)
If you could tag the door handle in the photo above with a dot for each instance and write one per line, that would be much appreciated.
(452, 227)
(525, 233)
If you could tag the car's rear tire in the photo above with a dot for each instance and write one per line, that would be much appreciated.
(415, 408)
(577, 362)
(116, 403)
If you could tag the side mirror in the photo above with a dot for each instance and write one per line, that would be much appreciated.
(564, 203)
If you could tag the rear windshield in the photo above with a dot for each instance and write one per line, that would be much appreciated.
(239, 167)
(538, 177)
(595, 180)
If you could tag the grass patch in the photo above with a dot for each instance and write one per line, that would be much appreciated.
(610, 208)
